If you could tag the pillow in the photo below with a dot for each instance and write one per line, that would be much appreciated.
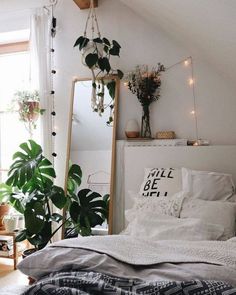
(161, 182)
(162, 205)
(216, 212)
(162, 227)
(208, 185)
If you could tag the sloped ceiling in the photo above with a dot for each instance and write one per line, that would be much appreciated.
(207, 28)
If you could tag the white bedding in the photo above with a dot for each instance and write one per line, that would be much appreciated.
(132, 251)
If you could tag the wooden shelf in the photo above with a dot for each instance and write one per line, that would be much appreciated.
(16, 253)
(85, 4)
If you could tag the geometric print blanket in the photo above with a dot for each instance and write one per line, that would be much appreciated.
(82, 282)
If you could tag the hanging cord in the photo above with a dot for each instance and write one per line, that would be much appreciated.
(94, 22)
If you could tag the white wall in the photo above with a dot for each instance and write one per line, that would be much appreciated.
(142, 43)
(91, 162)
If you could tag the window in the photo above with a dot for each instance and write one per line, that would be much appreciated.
(14, 75)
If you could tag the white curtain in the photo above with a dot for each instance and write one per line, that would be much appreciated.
(40, 51)
(40, 57)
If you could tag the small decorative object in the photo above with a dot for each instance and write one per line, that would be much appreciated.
(165, 135)
(146, 86)
(96, 54)
(132, 129)
(28, 108)
(10, 223)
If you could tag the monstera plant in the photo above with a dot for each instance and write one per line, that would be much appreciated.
(86, 208)
(31, 191)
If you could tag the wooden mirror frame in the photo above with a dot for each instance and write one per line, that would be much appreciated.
(113, 149)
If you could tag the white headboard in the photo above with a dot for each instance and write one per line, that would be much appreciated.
(208, 158)
(132, 158)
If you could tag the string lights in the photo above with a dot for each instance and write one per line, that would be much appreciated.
(191, 82)
(53, 73)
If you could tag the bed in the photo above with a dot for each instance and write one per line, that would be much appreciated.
(175, 242)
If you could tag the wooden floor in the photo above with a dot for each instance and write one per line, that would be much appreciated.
(9, 276)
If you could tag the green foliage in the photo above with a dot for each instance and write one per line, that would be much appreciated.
(87, 211)
(30, 190)
(100, 59)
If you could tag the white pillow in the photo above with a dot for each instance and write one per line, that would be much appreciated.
(208, 185)
(162, 227)
(162, 205)
(161, 182)
(216, 212)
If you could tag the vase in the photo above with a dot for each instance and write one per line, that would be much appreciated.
(132, 129)
(145, 126)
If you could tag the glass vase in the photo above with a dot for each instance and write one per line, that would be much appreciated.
(145, 126)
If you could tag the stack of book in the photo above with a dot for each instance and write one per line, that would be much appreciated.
(6, 246)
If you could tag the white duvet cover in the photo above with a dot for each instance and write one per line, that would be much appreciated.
(132, 251)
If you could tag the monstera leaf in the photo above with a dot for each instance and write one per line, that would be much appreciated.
(28, 166)
(30, 189)
(87, 211)
(74, 179)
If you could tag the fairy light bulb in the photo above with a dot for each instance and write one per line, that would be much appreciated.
(126, 84)
(191, 81)
(186, 62)
(192, 112)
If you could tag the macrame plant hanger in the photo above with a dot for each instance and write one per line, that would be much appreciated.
(97, 102)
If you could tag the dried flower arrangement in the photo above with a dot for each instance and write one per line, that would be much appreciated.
(146, 86)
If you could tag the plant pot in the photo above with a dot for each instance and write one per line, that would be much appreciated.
(29, 111)
(4, 210)
(28, 252)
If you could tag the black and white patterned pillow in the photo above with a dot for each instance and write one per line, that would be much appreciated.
(161, 182)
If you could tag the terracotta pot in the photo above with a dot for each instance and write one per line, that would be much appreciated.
(4, 210)
(31, 116)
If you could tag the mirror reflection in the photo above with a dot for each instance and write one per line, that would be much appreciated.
(91, 145)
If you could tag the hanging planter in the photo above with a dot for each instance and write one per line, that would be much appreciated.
(28, 108)
(96, 55)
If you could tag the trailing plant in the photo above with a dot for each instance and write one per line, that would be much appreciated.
(28, 107)
(30, 190)
(96, 55)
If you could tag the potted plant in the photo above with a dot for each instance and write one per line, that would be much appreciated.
(28, 107)
(146, 86)
(4, 210)
(96, 54)
(30, 190)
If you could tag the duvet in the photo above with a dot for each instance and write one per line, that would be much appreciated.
(124, 265)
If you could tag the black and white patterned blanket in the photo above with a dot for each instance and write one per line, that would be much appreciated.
(80, 282)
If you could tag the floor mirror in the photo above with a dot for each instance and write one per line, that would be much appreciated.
(91, 141)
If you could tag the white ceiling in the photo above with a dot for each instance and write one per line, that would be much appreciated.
(207, 28)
